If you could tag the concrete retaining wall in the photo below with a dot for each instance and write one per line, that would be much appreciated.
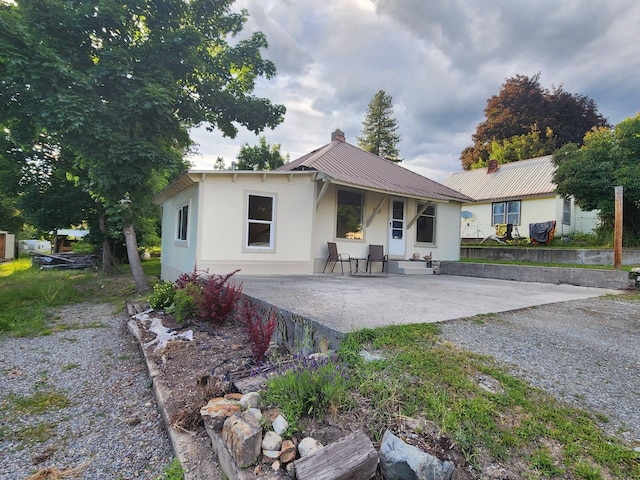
(614, 279)
(585, 256)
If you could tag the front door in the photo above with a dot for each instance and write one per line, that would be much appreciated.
(397, 231)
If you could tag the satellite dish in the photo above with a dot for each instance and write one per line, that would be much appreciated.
(466, 215)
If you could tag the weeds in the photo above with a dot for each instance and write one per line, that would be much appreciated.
(309, 386)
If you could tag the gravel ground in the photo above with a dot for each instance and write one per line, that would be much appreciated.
(111, 428)
(584, 352)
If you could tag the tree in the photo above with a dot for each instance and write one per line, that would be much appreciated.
(524, 106)
(219, 164)
(118, 86)
(260, 157)
(379, 128)
(589, 173)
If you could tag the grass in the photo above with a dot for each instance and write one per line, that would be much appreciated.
(28, 293)
(544, 264)
(421, 376)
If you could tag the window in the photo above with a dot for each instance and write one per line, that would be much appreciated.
(506, 212)
(426, 224)
(566, 211)
(183, 222)
(349, 218)
(260, 221)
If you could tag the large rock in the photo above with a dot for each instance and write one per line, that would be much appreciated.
(217, 410)
(399, 461)
(242, 435)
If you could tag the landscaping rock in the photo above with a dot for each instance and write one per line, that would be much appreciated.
(217, 410)
(308, 445)
(399, 461)
(280, 425)
(287, 452)
(250, 400)
(242, 435)
(271, 441)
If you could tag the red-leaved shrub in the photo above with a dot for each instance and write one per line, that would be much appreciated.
(218, 301)
(259, 329)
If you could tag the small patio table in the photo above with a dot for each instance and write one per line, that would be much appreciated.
(356, 264)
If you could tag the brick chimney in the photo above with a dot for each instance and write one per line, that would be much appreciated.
(337, 135)
(492, 166)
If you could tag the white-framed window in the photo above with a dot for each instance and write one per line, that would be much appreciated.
(349, 218)
(566, 211)
(426, 224)
(183, 223)
(506, 212)
(260, 221)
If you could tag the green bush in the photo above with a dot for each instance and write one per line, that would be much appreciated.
(186, 303)
(163, 295)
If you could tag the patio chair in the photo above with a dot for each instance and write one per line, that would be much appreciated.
(376, 255)
(336, 257)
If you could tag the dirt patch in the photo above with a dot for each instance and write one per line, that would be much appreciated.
(193, 372)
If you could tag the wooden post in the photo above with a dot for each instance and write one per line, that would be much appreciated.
(617, 235)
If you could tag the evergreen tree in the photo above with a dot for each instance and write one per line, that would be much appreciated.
(379, 128)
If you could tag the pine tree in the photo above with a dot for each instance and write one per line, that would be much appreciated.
(379, 128)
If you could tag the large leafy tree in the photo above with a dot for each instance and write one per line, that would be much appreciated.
(522, 108)
(118, 85)
(379, 128)
(260, 157)
(589, 173)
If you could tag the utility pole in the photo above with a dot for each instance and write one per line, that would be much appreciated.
(617, 235)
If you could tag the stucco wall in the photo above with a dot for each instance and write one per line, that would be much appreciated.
(446, 245)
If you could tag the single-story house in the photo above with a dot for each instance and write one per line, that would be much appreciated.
(279, 222)
(519, 193)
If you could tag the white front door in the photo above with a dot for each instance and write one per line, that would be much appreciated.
(397, 231)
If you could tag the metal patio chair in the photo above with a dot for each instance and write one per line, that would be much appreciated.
(336, 257)
(376, 255)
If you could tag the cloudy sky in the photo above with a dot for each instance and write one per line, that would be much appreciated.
(440, 60)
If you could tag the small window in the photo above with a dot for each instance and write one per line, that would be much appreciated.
(260, 221)
(505, 212)
(183, 222)
(349, 219)
(426, 224)
(566, 211)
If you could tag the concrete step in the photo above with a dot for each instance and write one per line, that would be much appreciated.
(408, 267)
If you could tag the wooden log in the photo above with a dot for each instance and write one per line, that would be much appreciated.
(351, 458)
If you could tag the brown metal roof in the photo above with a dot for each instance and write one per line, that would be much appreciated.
(525, 178)
(351, 165)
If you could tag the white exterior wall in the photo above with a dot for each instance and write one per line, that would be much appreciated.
(445, 247)
(221, 238)
(533, 210)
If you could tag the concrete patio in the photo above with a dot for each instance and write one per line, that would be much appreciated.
(347, 303)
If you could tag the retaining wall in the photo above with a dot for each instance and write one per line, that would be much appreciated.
(585, 277)
(578, 256)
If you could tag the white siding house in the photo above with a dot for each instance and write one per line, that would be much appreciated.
(519, 193)
(279, 222)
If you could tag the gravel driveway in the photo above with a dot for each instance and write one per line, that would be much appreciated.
(584, 352)
(111, 427)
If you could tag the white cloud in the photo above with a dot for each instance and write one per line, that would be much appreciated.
(439, 60)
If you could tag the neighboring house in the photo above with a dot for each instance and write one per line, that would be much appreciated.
(519, 193)
(268, 222)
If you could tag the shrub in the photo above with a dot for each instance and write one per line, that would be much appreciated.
(217, 300)
(258, 330)
(163, 295)
(186, 303)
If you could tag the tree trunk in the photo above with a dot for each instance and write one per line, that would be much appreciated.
(109, 265)
(142, 284)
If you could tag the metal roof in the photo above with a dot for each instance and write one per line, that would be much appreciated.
(525, 178)
(350, 165)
